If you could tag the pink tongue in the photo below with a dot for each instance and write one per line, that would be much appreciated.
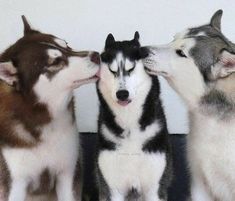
(123, 103)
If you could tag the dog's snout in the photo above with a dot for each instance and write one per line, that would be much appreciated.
(122, 95)
(95, 58)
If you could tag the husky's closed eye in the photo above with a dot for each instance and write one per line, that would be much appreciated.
(115, 73)
(132, 68)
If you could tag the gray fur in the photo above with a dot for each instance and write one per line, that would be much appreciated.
(167, 177)
(216, 20)
(104, 190)
(207, 50)
(216, 103)
(204, 52)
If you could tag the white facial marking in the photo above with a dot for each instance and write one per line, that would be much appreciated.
(181, 35)
(181, 72)
(56, 92)
(119, 58)
(114, 66)
(61, 43)
(201, 33)
(138, 84)
(52, 53)
(129, 64)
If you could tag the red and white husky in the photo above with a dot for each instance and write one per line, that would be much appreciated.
(39, 142)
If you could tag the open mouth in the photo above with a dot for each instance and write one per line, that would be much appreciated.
(124, 103)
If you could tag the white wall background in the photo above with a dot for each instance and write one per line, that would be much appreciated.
(86, 23)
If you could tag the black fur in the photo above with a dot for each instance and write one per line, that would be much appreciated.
(131, 49)
(152, 107)
(106, 117)
(152, 111)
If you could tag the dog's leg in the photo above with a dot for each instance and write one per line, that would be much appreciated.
(199, 191)
(117, 196)
(18, 190)
(49, 197)
(152, 195)
(64, 187)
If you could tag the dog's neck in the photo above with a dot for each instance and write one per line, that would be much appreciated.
(219, 100)
(57, 104)
(227, 86)
(55, 96)
(224, 87)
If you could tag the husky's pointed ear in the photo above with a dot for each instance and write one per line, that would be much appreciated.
(27, 27)
(225, 66)
(216, 20)
(8, 73)
(136, 36)
(109, 41)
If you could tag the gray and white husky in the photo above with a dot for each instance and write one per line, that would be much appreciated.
(133, 160)
(200, 64)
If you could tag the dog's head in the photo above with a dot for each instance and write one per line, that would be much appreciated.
(122, 70)
(195, 59)
(43, 64)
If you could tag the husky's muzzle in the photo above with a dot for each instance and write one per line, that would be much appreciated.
(122, 96)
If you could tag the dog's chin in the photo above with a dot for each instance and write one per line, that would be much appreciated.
(156, 73)
(79, 83)
(124, 103)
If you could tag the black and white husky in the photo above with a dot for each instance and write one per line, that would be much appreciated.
(133, 158)
(200, 65)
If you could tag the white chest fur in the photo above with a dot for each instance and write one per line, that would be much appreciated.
(57, 151)
(128, 166)
(212, 155)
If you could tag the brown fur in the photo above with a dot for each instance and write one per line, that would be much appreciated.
(19, 105)
(16, 108)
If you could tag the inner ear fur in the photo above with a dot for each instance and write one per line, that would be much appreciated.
(225, 65)
(8, 73)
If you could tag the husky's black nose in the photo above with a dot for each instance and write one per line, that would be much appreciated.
(95, 57)
(122, 95)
